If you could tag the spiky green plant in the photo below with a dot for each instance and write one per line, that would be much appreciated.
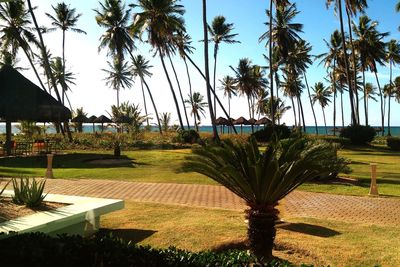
(28, 194)
(263, 179)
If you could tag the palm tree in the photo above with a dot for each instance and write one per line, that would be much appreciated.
(262, 179)
(65, 19)
(371, 48)
(330, 60)
(63, 78)
(165, 120)
(393, 57)
(321, 95)
(79, 113)
(278, 108)
(16, 32)
(114, 17)
(119, 76)
(338, 7)
(228, 85)
(220, 32)
(160, 19)
(197, 104)
(140, 68)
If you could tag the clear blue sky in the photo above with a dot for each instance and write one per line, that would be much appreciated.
(248, 17)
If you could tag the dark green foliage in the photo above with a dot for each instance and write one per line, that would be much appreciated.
(358, 134)
(265, 134)
(188, 136)
(393, 143)
(38, 249)
(29, 194)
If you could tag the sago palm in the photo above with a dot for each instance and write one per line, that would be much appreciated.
(263, 179)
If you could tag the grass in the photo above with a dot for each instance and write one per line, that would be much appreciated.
(299, 240)
(165, 166)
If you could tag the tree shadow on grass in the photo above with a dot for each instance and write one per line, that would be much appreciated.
(132, 235)
(233, 245)
(11, 171)
(309, 229)
(73, 160)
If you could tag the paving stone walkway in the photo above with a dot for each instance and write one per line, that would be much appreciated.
(378, 211)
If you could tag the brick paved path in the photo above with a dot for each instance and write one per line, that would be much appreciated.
(380, 211)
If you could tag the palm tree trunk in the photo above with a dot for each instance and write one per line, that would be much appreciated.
(381, 96)
(261, 231)
(248, 104)
(346, 62)
(63, 59)
(195, 123)
(215, 74)
(117, 97)
(154, 104)
(302, 114)
(34, 69)
(390, 95)
(277, 93)
(271, 71)
(298, 113)
(144, 102)
(172, 89)
(354, 64)
(212, 91)
(294, 112)
(189, 80)
(180, 90)
(207, 72)
(341, 107)
(365, 99)
(323, 113)
(334, 112)
(312, 106)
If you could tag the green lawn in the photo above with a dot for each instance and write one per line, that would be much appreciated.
(299, 240)
(165, 166)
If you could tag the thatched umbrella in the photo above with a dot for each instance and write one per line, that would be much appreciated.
(79, 120)
(241, 121)
(222, 122)
(91, 119)
(20, 99)
(252, 122)
(102, 119)
(263, 121)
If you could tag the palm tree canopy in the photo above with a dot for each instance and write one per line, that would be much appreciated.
(115, 19)
(57, 68)
(220, 32)
(197, 103)
(160, 19)
(393, 52)
(334, 46)
(141, 67)
(65, 18)
(119, 75)
(321, 94)
(228, 85)
(352, 6)
(262, 179)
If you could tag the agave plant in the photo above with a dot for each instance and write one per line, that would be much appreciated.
(28, 194)
(262, 179)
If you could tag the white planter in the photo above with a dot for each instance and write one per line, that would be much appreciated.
(81, 216)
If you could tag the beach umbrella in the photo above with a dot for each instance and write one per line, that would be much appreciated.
(91, 119)
(241, 121)
(102, 119)
(263, 121)
(20, 99)
(222, 122)
(252, 122)
(81, 119)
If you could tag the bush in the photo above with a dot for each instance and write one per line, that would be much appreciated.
(188, 136)
(28, 194)
(265, 134)
(358, 134)
(393, 143)
(37, 249)
(333, 139)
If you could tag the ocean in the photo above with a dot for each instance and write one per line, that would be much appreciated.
(88, 128)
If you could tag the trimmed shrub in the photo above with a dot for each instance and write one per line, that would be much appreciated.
(37, 249)
(358, 134)
(265, 134)
(393, 143)
(188, 136)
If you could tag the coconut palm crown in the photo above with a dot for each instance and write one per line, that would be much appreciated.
(262, 179)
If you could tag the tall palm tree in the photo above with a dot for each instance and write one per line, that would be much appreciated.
(141, 68)
(196, 102)
(65, 19)
(277, 106)
(16, 32)
(160, 19)
(262, 179)
(330, 60)
(372, 50)
(165, 120)
(220, 32)
(118, 76)
(114, 18)
(338, 8)
(321, 95)
(393, 57)
(228, 85)
(63, 78)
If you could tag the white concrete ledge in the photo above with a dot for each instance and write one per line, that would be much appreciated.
(81, 216)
